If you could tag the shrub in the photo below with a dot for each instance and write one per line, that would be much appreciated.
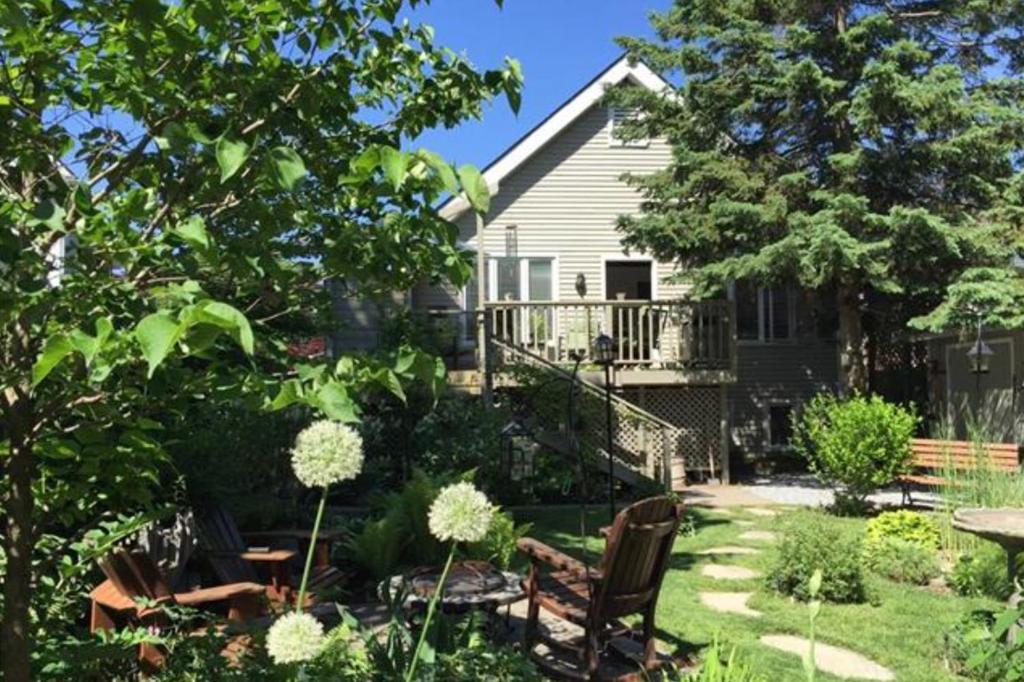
(901, 546)
(902, 561)
(400, 535)
(813, 540)
(499, 547)
(982, 572)
(855, 445)
(976, 647)
(912, 527)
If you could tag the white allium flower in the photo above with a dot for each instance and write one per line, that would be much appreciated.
(327, 452)
(461, 513)
(295, 637)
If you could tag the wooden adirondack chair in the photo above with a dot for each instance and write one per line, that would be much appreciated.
(133, 575)
(232, 555)
(626, 581)
(232, 560)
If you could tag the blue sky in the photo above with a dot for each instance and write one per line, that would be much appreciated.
(561, 44)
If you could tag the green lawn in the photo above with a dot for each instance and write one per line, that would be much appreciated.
(902, 628)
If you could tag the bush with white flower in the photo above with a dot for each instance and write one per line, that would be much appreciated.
(327, 452)
(295, 638)
(460, 513)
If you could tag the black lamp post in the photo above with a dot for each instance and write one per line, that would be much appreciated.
(979, 357)
(604, 355)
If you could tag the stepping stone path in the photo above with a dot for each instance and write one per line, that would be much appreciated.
(760, 535)
(831, 659)
(729, 602)
(729, 549)
(724, 572)
(761, 511)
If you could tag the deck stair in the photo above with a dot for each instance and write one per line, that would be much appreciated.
(643, 443)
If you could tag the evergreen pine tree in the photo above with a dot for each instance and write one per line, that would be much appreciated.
(870, 150)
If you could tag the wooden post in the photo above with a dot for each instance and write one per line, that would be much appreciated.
(482, 351)
(723, 414)
(668, 457)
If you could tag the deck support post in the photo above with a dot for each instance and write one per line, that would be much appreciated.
(483, 328)
(723, 448)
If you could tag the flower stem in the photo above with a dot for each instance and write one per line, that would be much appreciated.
(438, 590)
(301, 601)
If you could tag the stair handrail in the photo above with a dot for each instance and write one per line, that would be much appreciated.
(587, 385)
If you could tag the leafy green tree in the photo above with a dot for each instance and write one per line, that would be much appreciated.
(179, 179)
(867, 148)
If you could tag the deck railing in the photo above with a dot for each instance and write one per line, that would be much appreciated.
(661, 334)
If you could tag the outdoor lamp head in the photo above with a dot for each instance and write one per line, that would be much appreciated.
(581, 285)
(604, 349)
(980, 355)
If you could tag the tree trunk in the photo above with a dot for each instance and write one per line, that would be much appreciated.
(18, 544)
(852, 355)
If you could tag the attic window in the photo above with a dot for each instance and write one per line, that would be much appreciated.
(616, 116)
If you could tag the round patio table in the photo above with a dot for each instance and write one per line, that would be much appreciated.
(1005, 527)
(470, 585)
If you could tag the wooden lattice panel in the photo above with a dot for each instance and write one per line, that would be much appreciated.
(696, 411)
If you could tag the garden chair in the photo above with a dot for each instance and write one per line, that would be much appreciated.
(232, 555)
(135, 591)
(625, 581)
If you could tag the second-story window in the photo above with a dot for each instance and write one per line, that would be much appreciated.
(763, 314)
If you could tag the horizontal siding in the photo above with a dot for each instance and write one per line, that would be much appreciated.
(776, 373)
(565, 201)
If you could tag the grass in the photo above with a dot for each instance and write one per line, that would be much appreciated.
(901, 628)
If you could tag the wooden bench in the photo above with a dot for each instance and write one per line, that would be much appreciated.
(932, 457)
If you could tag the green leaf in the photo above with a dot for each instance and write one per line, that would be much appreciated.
(815, 583)
(228, 318)
(1004, 621)
(54, 350)
(290, 393)
(87, 345)
(231, 154)
(157, 333)
(442, 168)
(475, 187)
(193, 231)
(288, 167)
(49, 213)
(396, 166)
(390, 382)
(334, 401)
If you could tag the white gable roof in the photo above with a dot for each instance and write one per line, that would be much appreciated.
(528, 145)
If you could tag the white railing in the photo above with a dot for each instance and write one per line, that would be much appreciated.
(684, 334)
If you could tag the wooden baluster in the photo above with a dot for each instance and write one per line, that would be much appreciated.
(641, 323)
(618, 328)
(630, 347)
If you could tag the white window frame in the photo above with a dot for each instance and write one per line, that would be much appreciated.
(766, 315)
(613, 141)
(623, 258)
(524, 284)
(767, 424)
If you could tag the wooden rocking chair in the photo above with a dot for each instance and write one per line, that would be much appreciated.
(233, 557)
(132, 576)
(626, 581)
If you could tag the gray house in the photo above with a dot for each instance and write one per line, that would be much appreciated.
(716, 376)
